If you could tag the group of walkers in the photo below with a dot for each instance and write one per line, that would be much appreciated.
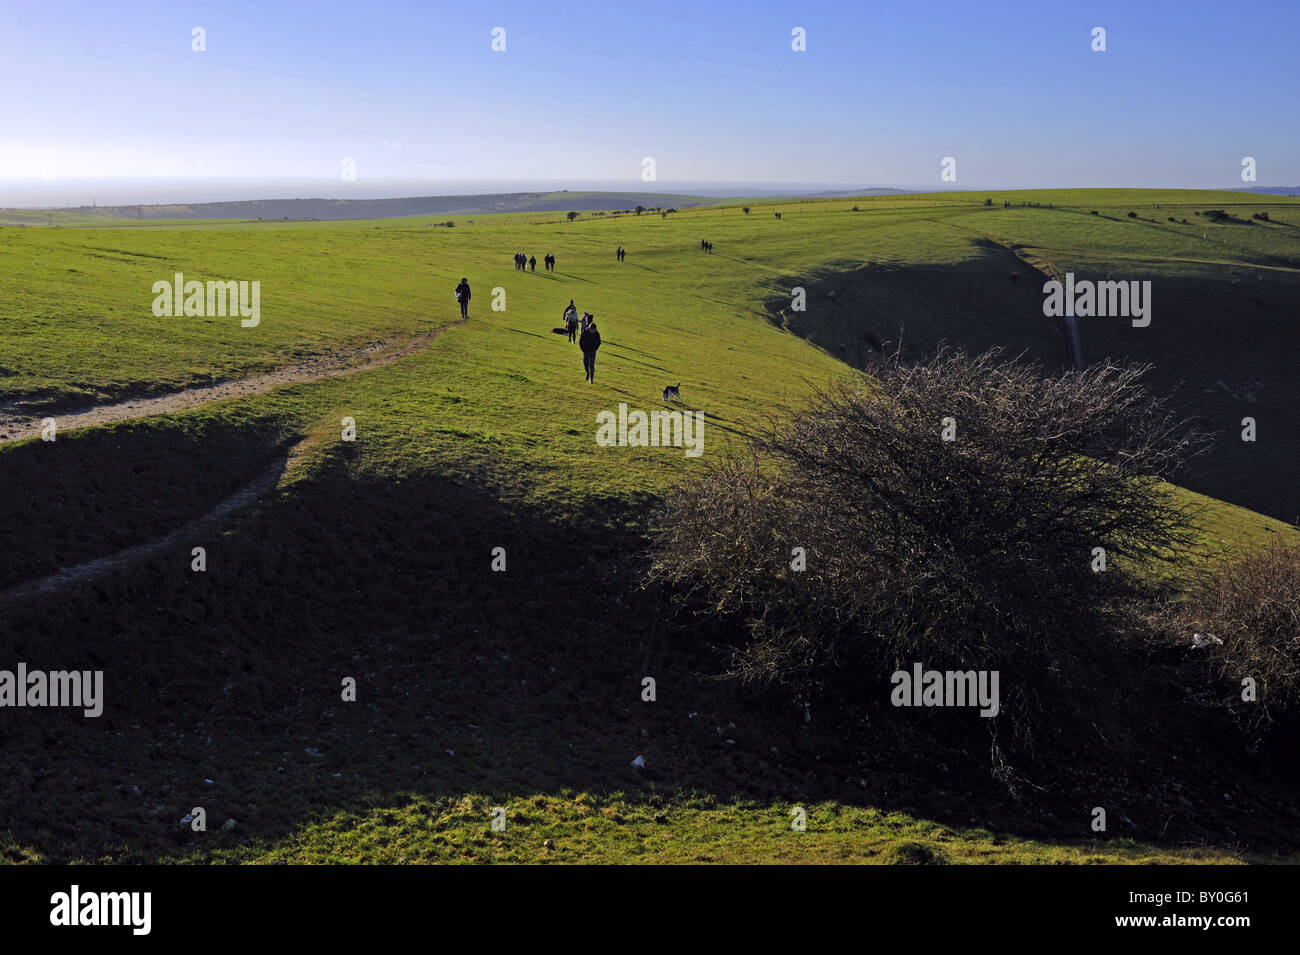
(528, 262)
(706, 245)
(621, 253)
(580, 329)
(585, 333)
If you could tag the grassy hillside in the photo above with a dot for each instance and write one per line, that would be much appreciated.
(372, 559)
(1224, 297)
(920, 268)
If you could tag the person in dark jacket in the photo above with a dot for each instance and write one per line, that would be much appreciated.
(571, 321)
(589, 341)
(532, 263)
(462, 296)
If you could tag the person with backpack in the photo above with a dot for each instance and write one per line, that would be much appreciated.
(589, 341)
(462, 296)
(571, 321)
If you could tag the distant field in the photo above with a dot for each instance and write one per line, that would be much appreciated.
(345, 209)
(371, 559)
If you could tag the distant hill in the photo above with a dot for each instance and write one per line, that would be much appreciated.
(1272, 190)
(842, 193)
(393, 208)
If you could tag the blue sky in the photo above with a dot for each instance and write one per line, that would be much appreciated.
(711, 91)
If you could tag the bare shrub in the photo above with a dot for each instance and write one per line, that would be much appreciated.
(970, 553)
(1253, 606)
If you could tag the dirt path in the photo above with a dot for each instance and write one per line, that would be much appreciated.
(188, 535)
(183, 539)
(15, 427)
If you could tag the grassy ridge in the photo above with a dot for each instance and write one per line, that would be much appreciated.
(475, 689)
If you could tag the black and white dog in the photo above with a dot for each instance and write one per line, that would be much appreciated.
(672, 392)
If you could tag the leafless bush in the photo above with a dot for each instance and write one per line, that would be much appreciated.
(972, 553)
(1253, 606)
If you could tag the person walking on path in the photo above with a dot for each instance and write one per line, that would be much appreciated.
(589, 341)
(462, 296)
(571, 321)
(532, 263)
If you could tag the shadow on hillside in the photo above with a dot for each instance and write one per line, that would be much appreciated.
(1220, 346)
(576, 278)
(992, 298)
(637, 350)
(222, 690)
(634, 361)
(520, 331)
(99, 490)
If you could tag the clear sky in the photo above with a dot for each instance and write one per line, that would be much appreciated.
(711, 90)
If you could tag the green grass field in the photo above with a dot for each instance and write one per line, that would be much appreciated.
(372, 559)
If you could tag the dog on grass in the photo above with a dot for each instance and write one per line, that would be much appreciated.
(673, 392)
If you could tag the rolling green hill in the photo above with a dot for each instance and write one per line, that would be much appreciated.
(372, 559)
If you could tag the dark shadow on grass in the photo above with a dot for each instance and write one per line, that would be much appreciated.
(576, 278)
(988, 300)
(94, 492)
(520, 331)
(610, 344)
(637, 361)
(995, 299)
(468, 681)
(746, 262)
